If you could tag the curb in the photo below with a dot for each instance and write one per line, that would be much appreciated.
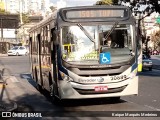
(3, 55)
(6, 105)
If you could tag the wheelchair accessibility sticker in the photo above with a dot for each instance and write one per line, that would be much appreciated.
(105, 58)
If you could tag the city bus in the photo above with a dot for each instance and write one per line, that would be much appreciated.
(86, 52)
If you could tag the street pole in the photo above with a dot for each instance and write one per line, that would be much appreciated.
(1, 30)
(20, 11)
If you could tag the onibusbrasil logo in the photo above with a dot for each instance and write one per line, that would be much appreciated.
(24, 114)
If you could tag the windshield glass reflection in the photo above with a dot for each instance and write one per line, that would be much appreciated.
(83, 44)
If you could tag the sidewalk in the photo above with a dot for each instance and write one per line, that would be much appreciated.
(6, 104)
(3, 54)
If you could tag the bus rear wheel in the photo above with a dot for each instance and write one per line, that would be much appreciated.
(150, 69)
(53, 94)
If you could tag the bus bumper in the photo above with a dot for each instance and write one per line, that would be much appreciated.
(67, 90)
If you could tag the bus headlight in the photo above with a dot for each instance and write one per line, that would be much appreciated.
(66, 77)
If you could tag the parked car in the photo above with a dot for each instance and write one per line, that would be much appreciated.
(18, 50)
(146, 63)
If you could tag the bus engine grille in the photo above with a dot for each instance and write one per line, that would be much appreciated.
(92, 91)
(88, 72)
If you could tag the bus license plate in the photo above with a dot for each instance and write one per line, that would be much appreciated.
(101, 88)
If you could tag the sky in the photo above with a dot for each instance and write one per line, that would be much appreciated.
(69, 3)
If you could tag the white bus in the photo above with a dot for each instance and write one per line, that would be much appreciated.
(86, 52)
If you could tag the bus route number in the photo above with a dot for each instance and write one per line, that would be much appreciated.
(122, 77)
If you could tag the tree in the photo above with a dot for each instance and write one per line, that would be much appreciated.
(104, 2)
(25, 18)
(53, 8)
(2, 11)
(155, 38)
(151, 5)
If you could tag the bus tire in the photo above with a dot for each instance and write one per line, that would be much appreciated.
(115, 99)
(150, 69)
(53, 94)
(53, 91)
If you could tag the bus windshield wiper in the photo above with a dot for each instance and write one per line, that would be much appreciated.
(87, 34)
(111, 30)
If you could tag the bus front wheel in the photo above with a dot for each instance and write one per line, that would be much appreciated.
(115, 99)
(53, 94)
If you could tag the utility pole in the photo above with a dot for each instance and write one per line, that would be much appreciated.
(1, 30)
(20, 11)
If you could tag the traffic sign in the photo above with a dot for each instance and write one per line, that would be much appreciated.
(105, 58)
(158, 19)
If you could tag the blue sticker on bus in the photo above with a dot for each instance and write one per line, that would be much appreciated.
(105, 58)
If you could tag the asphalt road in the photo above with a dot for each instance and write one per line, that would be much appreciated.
(155, 59)
(22, 90)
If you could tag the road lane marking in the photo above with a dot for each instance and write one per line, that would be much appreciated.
(13, 79)
(152, 107)
(26, 77)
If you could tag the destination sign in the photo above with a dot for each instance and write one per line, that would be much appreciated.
(95, 13)
(80, 14)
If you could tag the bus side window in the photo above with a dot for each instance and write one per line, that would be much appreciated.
(53, 43)
(30, 45)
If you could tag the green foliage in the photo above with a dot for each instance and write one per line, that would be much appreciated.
(52, 8)
(2, 11)
(107, 2)
(104, 2)
(155, 37)
(25, 18)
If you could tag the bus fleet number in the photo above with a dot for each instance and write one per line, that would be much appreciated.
(122, 77)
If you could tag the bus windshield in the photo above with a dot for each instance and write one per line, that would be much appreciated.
(83, 44)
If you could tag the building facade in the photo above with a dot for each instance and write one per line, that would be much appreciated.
(32, 7)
